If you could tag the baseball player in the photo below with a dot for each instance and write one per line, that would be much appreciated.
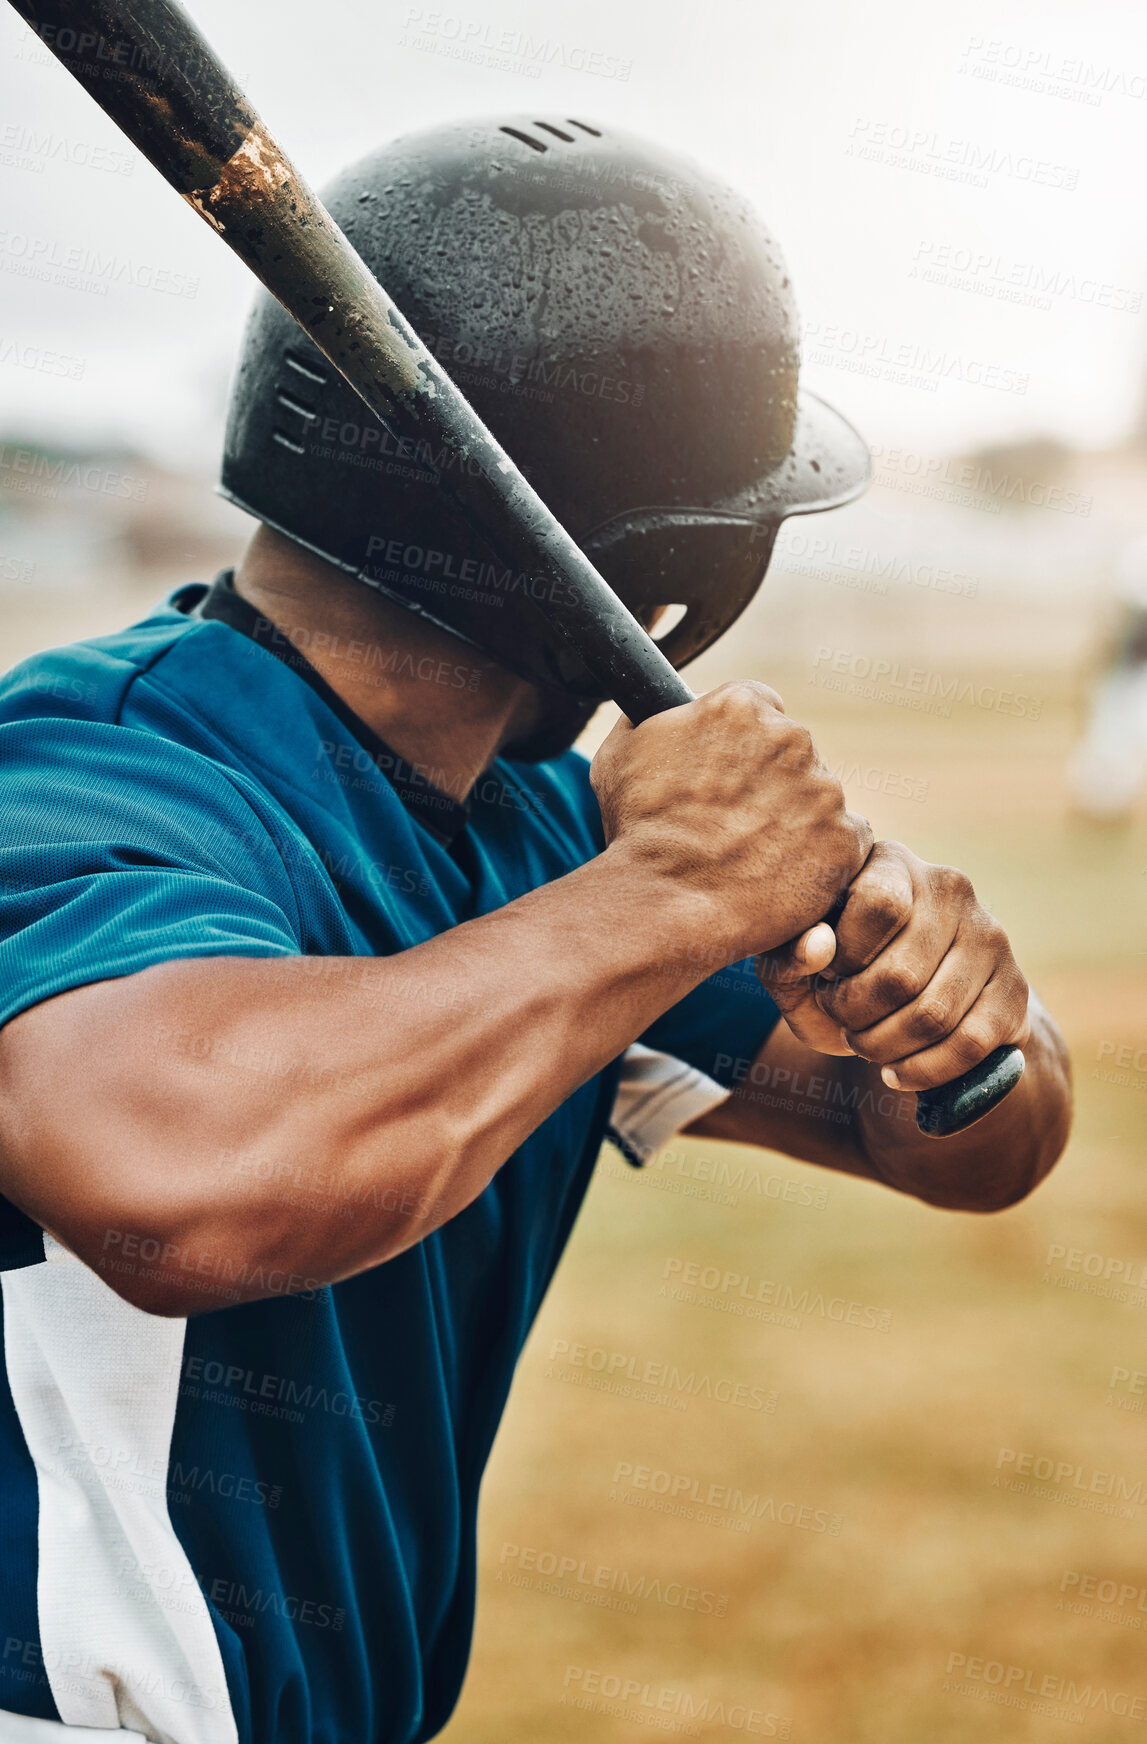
(327, 965)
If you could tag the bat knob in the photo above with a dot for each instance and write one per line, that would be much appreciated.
(951, 1107)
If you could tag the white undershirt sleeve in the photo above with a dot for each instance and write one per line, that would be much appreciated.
(656, 1097)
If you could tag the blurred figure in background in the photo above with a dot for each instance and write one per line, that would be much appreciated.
(1108, 766)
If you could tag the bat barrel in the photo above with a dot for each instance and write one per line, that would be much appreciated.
(149, 68)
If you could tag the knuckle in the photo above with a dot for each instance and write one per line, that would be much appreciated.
(735, 699)
(797, 749)
(743, 715)
(860, 831)
(1004, 1003)
(883, 909)
(931, 1020)
(744, 699)
(974, 1039)
(888, 860)
(897, 984)
(953, 885)
(996, 938)
(763, 695)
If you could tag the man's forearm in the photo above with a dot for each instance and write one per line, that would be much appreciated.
(996, 1162)
(227, 1118)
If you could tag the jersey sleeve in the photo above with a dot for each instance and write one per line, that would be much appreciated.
(718, 1027)
(119, 850)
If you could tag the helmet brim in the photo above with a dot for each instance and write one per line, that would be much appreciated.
(828, 465)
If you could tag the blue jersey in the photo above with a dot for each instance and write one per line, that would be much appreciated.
(257, 1525)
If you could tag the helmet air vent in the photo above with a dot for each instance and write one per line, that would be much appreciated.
(584, 127)
(516, 133)
(293, 361)
(305, 414)
(557, 132)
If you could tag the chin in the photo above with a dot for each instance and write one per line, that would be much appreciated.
(559, 721)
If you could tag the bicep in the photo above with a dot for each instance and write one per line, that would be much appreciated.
(74, 1071)
(797, 1101)
(122, 1100)
(119, 1098)
(126, 862)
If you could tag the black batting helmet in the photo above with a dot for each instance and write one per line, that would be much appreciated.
(626, 327)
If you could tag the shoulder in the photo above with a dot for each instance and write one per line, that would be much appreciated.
(74, 750)
(89, 680)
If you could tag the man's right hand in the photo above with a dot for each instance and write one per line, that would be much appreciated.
(726, 797)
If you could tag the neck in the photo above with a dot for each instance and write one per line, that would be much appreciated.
(439, 703)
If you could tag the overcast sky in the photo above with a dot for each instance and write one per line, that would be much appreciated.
(890, 146)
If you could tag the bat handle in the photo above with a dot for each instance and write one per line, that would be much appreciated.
(951, 1107)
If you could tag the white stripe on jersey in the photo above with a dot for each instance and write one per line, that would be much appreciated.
(126, 1635)
(19, 1729)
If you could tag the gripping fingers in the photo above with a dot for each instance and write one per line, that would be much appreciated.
(879, 906)
(923, 981)
(789, 976)
(997, 1014)
(815, 949)
(931, 1002)
(902, 975)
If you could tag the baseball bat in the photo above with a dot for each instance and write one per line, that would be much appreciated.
(151, 71)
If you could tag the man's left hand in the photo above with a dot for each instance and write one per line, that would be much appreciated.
(923, 982)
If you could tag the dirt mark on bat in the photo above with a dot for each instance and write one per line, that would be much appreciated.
(259, 205)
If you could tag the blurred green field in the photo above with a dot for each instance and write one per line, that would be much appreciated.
(847, 1636)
